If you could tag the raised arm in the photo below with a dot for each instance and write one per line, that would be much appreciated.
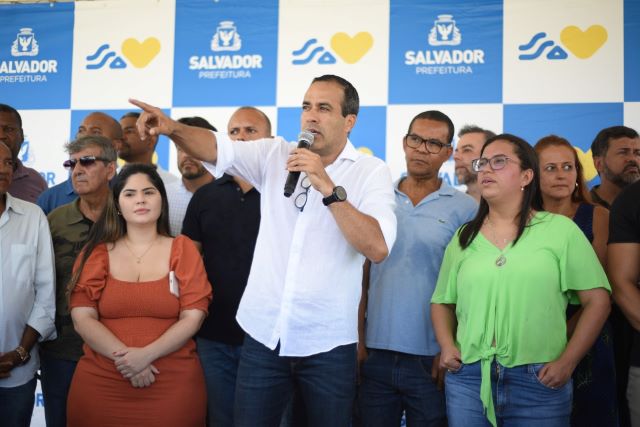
(197, 142)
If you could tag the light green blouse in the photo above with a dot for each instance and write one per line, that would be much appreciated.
(517, 295)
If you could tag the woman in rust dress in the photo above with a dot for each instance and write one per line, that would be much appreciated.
(137, 297)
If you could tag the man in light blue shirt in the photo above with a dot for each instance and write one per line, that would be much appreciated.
(400, 372)
(27, 297)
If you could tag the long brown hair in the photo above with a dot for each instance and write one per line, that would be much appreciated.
(111, 226)
(580, 194)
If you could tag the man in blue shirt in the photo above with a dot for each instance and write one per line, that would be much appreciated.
(400, 369)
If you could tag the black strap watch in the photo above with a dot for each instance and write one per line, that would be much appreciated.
(339, 194)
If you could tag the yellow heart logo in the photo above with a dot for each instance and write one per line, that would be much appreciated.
(140, 54)
(351, 49)
(583, 44)
(586, 160)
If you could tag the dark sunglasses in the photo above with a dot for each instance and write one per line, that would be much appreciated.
(84, 161)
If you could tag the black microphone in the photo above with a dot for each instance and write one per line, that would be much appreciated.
(305, 140)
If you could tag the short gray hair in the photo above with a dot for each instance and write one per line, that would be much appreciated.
(104, 144)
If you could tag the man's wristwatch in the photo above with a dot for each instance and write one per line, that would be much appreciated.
(23, 354)
(339, 194)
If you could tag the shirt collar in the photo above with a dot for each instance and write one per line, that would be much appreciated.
(349, 152)
(74, 215)
(11, 204)
(224, 179)
(68, 186)
(444, 190)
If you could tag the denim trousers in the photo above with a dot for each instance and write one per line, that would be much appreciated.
(56, 376)
(326, 381)
(393, 382)
(220, 365)
(519, 398)
(16, 404)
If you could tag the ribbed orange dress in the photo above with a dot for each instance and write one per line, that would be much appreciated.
(139, 313)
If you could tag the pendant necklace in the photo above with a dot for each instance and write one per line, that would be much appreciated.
(139, 258)
(501, 260)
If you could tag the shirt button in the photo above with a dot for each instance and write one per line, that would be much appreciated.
(242, 199)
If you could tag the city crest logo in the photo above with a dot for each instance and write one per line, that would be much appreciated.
(23, 70)
(221, 65)
(442, 56)
(582, 44)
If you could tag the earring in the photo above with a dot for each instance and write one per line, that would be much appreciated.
(119, 213)
(522, 188)
(576, 184)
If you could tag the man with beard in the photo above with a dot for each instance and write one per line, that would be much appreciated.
(616, 156)
(223, 219)
(470, 140)
(132, 149)
(194, 176)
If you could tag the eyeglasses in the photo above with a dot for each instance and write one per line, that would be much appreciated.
(301, 199)
(432, 145)
(84, 161)
(496, 162)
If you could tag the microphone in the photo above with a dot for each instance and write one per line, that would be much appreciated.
(305, 140)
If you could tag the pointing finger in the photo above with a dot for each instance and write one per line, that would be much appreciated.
(143, 105)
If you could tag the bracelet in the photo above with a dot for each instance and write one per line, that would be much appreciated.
(23, 354)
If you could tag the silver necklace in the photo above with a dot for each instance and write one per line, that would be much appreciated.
(501, 260)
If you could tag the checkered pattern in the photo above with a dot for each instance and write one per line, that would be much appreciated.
(525, 67)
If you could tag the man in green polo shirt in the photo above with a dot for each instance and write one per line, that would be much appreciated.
(92, 164)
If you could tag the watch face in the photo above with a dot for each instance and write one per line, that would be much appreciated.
(341, 194)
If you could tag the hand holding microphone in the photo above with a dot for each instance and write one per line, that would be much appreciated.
(305, 140)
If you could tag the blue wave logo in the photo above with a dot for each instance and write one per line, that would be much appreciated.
(309, 51)
(556, 51)
(102, 56)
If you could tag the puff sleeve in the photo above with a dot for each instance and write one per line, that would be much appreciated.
(186, 263)
(92, 280)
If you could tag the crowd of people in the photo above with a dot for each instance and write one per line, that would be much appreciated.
(144, 299)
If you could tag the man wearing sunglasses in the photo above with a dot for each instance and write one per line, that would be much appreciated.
(400, 342)
(300, 307)
(27, 183)
(96, 124)
(27, 289)
(91, 165)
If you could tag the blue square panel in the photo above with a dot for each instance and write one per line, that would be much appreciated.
(36, 42)
(578, 123)
(445, 52)
(368, 135)
(225, 52)
(161, 156)
(632, 50)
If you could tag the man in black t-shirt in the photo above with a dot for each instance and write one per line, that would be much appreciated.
(623, 263)
(223, 219)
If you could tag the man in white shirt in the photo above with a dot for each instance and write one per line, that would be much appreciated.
(300, 307)
(27, 297)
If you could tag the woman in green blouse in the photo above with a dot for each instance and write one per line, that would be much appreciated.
(499, 305)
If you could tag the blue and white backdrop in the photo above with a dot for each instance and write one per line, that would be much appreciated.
(569, 67)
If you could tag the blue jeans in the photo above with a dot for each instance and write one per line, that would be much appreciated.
(16, 404)
(393, 382)
(327, 384)
(220, 364)
(519, 398)
(55, 378)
